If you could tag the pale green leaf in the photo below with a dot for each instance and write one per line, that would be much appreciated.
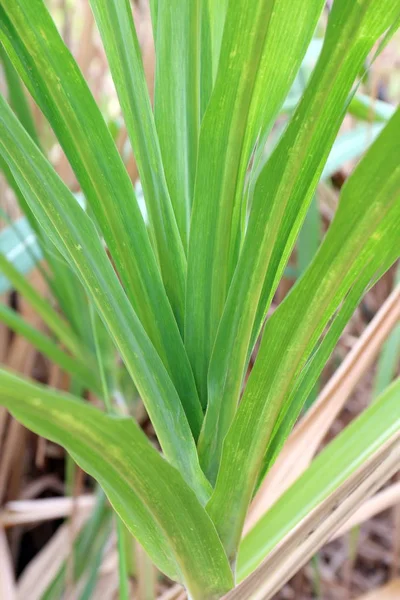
(244, 69)
(117, 29)
(378, 427)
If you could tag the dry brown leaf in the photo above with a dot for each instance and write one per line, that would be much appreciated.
(20, 512)
(41, 571)
(7, 582)
(388, 592)
(377, 504)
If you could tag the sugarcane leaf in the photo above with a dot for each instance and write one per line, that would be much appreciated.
(17, 98)
(154, 17)
(149, 495)
(363, 236)
(282, 195)
(304, 384)
(117, 29)
(370, 109)
(217, 10)
(206, 58)
(54, 80)
(177, 101)
(73, 233)
(43, 308)
(242, 72)
(349, 146)
(79, 369)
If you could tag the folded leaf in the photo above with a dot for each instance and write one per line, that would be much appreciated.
(177, 101)
(117, 29)
(244, 70)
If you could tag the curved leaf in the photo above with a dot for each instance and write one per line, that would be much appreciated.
(73, 233)
(149, 495)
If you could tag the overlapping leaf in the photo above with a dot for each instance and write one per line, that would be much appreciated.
(76, 238)
(363, 239)
(53, 78)
(242, 69)
(282, 195)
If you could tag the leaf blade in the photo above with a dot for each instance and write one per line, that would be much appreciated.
(362, 237)
(282, 194)
(73, 233)
(117, 453)
(58, 87)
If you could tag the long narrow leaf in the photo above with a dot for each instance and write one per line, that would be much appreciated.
(150, 496)
(115, 22)
(52, 319)
(281, 198)
(75, 236)
(177, 100)
(44, 62)
(376, 428)
(46, 346)
(16, 97)
(220, 150)
(363, 235)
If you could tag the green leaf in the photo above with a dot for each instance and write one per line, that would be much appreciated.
(305, 382)
(243, 71)
(43, 308)
(58, 87)
(217, 10)
(282, 195)
(154, 17)
(73, 233)
(279, 65)
(370, 109)
(309, 237)
(117, 29)
(88, 545)
(367, 436)
(148, 494)
(206, 59)
(177, 101)
(363, 236)
(46, 346)
(16, 97)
